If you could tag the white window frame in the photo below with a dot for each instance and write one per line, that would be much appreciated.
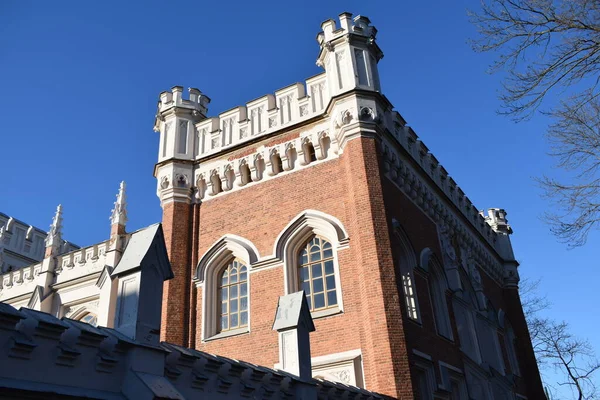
(292, 240)
(207, 274)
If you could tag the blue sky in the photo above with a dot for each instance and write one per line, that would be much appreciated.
(79, 82)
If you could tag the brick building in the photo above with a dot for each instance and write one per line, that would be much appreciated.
(413, 291)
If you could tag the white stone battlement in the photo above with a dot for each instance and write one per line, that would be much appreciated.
(262, 116)
(91, 259)
(67, 266)
(19, 281)
(358, 25)
(195, 101)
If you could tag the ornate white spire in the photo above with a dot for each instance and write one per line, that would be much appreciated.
(54, 238)
(119, 213)
(2, 234)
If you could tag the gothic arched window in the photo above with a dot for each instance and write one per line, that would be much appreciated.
(437, 289)
(232, 292)
(406, 263)
(317, 274)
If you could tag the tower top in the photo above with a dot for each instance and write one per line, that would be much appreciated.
(357, 29)
(119, 212)
(173, 102)
(496, 218)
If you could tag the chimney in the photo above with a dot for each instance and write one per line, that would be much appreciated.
(54, 240)
(294, 323)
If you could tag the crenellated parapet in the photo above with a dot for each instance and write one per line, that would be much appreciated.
(71, 265)
(416, 171)
(193, 137)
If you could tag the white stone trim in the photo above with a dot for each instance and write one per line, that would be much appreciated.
(211, 263)
(295, 235)
(220, 176)
(345, 367)
(226, 247)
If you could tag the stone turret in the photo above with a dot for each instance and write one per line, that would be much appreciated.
(496, 219)
(54, 239)
(175, 120)
(349, 54)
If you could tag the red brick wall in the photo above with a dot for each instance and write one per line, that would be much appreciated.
(351, 189)
(422, 233)
(175, 306)
(348, 188)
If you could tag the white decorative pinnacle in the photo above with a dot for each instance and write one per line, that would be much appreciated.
(119, 213)
(54, 238)
(2, 234)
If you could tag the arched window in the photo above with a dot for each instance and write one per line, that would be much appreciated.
(223, 277)
(465, 305)
(309, 247)
(406, 262)
(232, 291)
(89, 318)
(317, 274)
(437, 290)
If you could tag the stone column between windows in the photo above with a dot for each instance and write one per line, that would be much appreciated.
(386, 361)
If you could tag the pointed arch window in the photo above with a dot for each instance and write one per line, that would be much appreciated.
(232, 291)
(407, 261)
(437, 290)
(317, 274)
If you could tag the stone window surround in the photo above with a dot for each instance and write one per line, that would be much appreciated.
(449, 374)
(437, 298)
(409, 269)
(287, 244)
(424, 363)
(80, 307)
(349, 362)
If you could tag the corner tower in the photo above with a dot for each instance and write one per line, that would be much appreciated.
(175, 120)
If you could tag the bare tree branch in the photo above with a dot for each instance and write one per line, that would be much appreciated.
(545, 46)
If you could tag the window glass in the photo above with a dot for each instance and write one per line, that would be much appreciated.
(233, 295)
(317, 276)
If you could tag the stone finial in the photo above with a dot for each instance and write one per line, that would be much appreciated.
(294, 324)
(119, 212)
(2, 235)
(54, 238)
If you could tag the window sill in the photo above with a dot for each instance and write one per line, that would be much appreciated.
(326, 313)
(222, 335)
